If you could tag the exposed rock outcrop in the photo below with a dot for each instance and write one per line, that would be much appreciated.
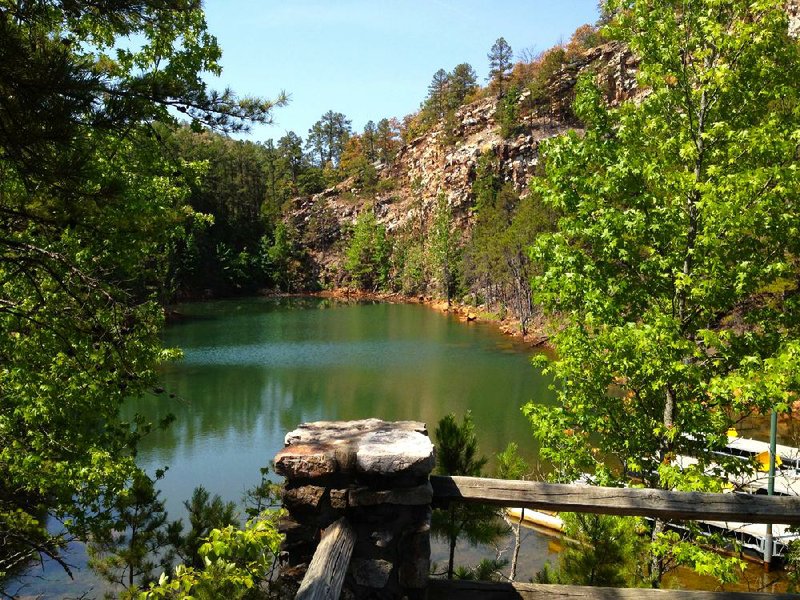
(444, 160)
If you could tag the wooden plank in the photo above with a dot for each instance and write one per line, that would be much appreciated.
(442, 589)
(687, 506)
(325, 575)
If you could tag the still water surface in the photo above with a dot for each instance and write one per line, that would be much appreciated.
(253, 369)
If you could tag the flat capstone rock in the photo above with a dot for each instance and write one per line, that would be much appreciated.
(368, 446)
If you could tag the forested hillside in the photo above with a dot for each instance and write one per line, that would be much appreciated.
(435, 205)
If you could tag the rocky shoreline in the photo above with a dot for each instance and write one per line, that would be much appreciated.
(536, 336)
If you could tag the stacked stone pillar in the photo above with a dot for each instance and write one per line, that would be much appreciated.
(374, 473)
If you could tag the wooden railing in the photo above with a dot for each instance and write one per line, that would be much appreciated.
(325, 575)
(632, 502)
(641, 502)
(358, 497)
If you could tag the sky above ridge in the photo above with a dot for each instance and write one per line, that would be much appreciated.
(370, 59)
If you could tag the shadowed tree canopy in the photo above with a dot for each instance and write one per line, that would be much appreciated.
(89, 205)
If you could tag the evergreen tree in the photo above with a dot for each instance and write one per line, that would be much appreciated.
(367, 254)
(125, 552)
(457, 454)
(205, 513)
(388, 139)
(500, 57)
(436, 102)
(290, 147)
(463, 81)
(599, 550)
(369, 141)
(443, 248)
(328, 136)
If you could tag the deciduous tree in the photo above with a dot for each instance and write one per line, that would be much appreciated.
(675, 263)
(89, 203)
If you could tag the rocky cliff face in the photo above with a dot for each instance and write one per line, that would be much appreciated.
(444, 160)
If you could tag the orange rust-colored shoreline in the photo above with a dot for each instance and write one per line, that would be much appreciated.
(535, 337)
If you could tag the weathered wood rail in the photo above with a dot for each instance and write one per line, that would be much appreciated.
(374, 478)
(632, 502)
(442, 589)
(325, 575)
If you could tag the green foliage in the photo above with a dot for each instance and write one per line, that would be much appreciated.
(410, 272)
(443, 251)
(322, 227)
(284, 259)
(457, 454)
(90, 206)
(457, 447)
(510, 465)
(240, 188)
(327, 138)
(599, 550)
(355, 164)
(436, 102)
(447, 92)
(674, 221)
(507, 114)
(496, 258)
(387, 140)
(673, 549)
(367, 254)
(123, 552)
(462, 84)
(205, 514)
(792, 564)
(500, 57)
(547, 65)
(488, 569)
(263, 496)
(237, 564)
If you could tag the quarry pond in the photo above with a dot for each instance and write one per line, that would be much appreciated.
(253, 369)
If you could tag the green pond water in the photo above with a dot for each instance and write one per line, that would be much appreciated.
(254, 369)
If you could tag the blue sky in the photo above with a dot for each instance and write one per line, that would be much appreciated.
(370, 59)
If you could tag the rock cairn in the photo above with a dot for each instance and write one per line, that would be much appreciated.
(376, 475)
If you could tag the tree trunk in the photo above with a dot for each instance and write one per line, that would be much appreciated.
(451, 560)
(656, 562)
(517, 545)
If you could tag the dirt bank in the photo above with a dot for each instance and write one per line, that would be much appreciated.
(535, 337)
